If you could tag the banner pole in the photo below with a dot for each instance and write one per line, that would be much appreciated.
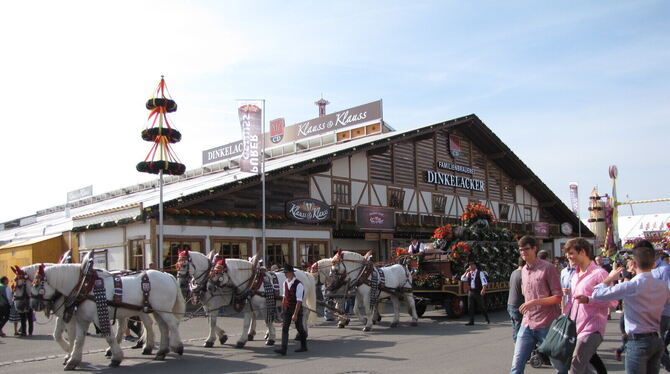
(160, 221)
(263, 185)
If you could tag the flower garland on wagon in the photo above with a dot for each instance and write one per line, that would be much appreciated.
(475, 212)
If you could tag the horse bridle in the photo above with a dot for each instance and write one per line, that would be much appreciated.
(196, 281)
(38, 284)
(23, 277)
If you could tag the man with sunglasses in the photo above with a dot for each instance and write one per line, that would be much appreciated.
(541, 287)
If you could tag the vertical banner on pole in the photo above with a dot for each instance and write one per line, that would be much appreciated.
(574, 198)
(574, 203)
(251, 116)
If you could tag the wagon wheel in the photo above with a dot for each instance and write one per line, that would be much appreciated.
(454, 306)
(420, 308)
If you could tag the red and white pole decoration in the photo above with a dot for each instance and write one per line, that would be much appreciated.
(161, 159)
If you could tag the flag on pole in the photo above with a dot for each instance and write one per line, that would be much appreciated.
(574, 198)
(251, 122)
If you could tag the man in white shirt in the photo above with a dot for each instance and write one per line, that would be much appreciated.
(416, 247)
(292, 303)
(478, 283)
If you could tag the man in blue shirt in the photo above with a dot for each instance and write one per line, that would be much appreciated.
(566, 280)
(644, 298)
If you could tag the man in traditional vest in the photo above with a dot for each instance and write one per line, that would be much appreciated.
(292, 304)
(416, 247)
(478, 283)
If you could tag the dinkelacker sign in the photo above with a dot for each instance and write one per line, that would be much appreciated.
(451, 180)
(307, 210)
(282, 135)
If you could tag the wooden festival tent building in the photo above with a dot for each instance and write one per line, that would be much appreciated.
(359, 186)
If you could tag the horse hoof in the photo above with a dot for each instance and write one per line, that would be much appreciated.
(146, 351)
(108, 353)
(270, 342)
(69, 367)
(114, 364)
(179, 350)
(340, 325)
(394, 324)
(223, 339)
(414, 323)
(160, 357)
(367, 328)
(250, 337)
(239, 345)
(208, 344)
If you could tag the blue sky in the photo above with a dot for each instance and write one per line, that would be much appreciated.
(571, 87)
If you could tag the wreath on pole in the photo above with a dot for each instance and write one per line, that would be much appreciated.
(161, 132)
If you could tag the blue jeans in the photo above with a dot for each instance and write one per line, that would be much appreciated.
(643, 356)
(516, 318)
(526, 341)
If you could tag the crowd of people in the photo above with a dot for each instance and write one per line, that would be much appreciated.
(587, 289)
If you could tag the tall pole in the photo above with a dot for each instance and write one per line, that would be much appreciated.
(263, 182)
(160, 221)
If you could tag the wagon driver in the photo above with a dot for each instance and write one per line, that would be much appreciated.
(292, 304)
(416, 247)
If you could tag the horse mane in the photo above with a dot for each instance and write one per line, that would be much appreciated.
(348, 255)
(31, 270)
(63, 277)
(238, 264)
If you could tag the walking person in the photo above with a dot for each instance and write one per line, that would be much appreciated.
(662, 272)
(515, 299)
(589, 315)
(541, 287)
(5, 303)
(477, 281)
(14, 316)
(27, 318)
(644, 299)
(292, 304)
(566, 281)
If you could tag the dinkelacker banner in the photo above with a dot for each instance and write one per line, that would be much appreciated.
(251, 121)
(280, 134)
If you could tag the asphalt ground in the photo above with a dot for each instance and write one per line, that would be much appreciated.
(437, 345)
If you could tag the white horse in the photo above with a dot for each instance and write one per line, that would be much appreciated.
(355, 270)
(164, 298)
(321, 272)
(239, 275)
(193, 273)
(22, 295)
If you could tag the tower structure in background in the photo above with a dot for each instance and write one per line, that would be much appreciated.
(597, 218)
(322, 106)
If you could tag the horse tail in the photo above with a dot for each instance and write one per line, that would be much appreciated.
(310, 299)
(179, 307)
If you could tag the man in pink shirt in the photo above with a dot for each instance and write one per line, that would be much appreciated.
(589, 315)
(541, 287)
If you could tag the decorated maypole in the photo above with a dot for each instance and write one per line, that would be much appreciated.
(161, 159)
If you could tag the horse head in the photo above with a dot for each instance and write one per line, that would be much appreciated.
(337, 277)
(20, 293)
(218, 277)
(184, 265)
(41, 293)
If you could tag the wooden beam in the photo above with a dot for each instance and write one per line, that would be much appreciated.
(496, 156)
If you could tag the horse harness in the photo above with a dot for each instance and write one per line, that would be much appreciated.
(91, 286)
